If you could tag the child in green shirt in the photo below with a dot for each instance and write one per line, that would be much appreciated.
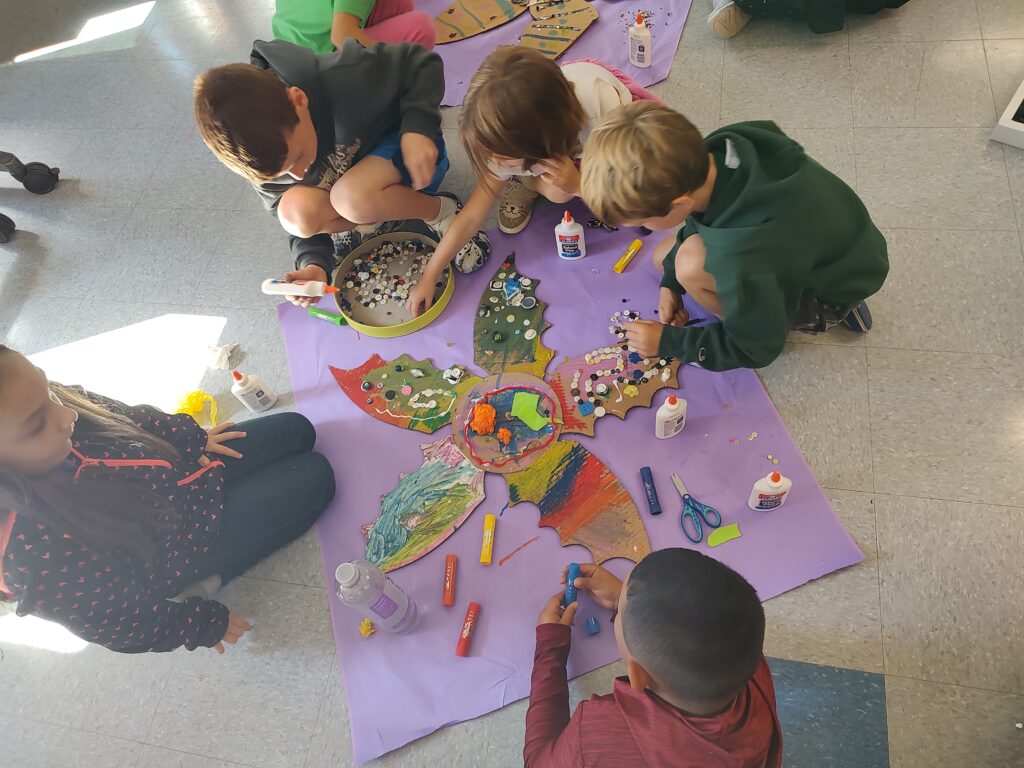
(324, 25)
(769, 240)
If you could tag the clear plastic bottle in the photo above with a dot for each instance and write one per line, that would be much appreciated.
(366, 588)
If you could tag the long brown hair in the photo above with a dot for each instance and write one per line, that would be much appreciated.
(519, 104)
(98, 513)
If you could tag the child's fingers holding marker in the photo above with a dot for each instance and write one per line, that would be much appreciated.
(569, 614)
(552, 611)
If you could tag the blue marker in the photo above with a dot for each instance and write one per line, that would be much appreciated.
(570, 588)
(652, 493)
(592, 626)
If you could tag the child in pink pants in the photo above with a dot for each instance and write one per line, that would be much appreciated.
(324, 25)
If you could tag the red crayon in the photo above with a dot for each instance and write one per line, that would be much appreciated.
(472, 612)
(448, 597)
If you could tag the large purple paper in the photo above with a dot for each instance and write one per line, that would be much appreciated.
(607, 39)
(401, 688)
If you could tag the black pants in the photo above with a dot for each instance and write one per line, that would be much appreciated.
(273, 494)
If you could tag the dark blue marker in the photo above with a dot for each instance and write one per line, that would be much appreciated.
(652, 493)
(570, 588)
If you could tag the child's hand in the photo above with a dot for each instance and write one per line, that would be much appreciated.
(419, 153)
(670, 308)
(217, 436)
(308, 272)
(561, 172)
(604, 586)
(237, 626)
(644, 336)
(554, 613)
(421, 295)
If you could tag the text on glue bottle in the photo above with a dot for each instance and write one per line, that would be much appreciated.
(770, 492)
(670, 418)
(569, 239)
(254, 394)
(365, 587)
(640, 43)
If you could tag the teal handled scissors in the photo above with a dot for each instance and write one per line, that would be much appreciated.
(695, 511)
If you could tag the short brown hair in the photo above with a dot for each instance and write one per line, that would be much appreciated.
(639, 159)
(519, 105)
(244, 113)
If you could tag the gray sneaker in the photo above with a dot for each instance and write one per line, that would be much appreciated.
(516, 207)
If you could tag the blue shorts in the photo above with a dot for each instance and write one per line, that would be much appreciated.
(390, 148)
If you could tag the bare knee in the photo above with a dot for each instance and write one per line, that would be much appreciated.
(661, 250)
(350, 199)
(299, 213)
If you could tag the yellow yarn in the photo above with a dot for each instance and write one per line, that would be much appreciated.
(194, 404)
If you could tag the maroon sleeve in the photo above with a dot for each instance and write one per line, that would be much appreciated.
(552, 739)
(763, 682)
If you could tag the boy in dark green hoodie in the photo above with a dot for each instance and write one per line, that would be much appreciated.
(769, 240)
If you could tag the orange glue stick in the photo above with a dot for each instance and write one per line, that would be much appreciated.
(487, 548)
(472, 613)
(448, 597)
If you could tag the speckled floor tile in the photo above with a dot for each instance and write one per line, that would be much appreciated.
(1006, 69)
(932, 724)
(764, 33)
(30, 744)
(907, 181)
(835, 619)
(952, 591)
(796, 86)
(947, 425)
(954, 280)
(1001, 18)
(298, 563)
(830, 716)
(258, 702)
(331, 745)
(158, 757)
(930, 20)
(940, 84)
(832, 148)
(1015, 170)
(699, 94)
(821, 392)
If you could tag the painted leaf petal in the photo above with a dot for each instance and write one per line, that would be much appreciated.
(580, 497)
(465, 18)
(425, 508)
(394, 391)
(509, 324)
(557, 25)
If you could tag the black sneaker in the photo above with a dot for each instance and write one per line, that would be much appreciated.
(858, 319)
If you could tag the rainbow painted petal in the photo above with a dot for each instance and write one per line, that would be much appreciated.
(580, 497)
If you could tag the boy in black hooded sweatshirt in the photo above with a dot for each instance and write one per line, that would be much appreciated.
(334, 141)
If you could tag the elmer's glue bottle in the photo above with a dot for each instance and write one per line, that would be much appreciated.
(254, 394)
(366, 588)
(569, 239)
(770, 492)
(670, 418)
(640, 43)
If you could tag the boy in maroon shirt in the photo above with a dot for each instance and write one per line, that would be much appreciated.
(697, 693)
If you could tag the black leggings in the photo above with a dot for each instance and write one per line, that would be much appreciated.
(273, 494)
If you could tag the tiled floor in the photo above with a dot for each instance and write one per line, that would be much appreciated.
(917, 432)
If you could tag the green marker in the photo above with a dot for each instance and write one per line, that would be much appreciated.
(330, 317)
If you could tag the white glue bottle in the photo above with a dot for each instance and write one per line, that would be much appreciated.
(670, 418)
(254, 394)
(312, 288)
(770, 492)
(364, 586)
(569, 239)
(640, 43)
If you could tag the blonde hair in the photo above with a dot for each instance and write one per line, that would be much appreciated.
(244, 115)
(639, 159)
(519, 105)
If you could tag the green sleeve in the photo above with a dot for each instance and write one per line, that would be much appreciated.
(361, 9)
(751, 335)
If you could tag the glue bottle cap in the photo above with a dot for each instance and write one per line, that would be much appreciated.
(672, 400)
(237, 376)
(639, 18)
(567, 218)
(776, 477)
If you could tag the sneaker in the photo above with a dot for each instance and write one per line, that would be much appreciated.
(474, 254)
(727, 19)
(516, 207)
(859, 318)
(345, 242)
(450, 206)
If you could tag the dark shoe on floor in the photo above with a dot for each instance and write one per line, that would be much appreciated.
(858, 319)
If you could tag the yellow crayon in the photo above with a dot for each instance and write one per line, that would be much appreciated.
(487, 548)
(623, 262)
